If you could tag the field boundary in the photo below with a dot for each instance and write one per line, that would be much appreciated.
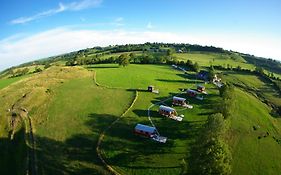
(102, 135)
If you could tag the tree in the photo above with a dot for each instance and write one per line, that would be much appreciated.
(124, 60)
(212, 73)
(196, 67)
(212, 155)
(47, 65)
(189, 63)
(170, 52)
(259, 70)
(24, 71)
(227, 105)
(37, 69)
(132, 55)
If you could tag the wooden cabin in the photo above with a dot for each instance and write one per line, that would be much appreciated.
(167, 111)
(191, 93)
(144, 130)
(179, 101)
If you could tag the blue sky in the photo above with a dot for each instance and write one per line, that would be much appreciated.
(32, 29)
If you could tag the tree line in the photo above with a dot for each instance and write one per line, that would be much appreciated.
(211, 155)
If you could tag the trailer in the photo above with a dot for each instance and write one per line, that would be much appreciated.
(149, 132)
(194, 94)
(181, 102)
(191, 93)
(169, 112)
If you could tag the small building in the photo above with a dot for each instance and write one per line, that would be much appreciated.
(150, 88)
(200, 88)
(191, 93)
(167, 111)
(179, 101)
(144, 130)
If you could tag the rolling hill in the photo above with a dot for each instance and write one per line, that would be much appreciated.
(77, 113)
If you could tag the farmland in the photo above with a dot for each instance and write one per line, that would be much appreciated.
(71, 106)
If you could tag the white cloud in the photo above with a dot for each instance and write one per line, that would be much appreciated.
(73, 6)
(17, 50)
(149, 26)
(118, 21)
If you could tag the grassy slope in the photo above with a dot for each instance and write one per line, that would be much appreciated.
(250, 154)
(75, 117)
(6, 82)
(67, 120)
(206, 59)
(256, 83)
(131, 154)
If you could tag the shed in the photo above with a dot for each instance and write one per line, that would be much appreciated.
(150, 88)
(179, 101)
(145, 130)
(167, 111)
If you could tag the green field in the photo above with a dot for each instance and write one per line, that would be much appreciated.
(252, 155)
(254, 84)
(207, 59)
(69, 111)
(6, 82)
(73, 123)
(130, 154)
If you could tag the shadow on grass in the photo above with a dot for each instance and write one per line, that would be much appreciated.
(172, 81)
(75, 155)
(102, 67)
(13, 154)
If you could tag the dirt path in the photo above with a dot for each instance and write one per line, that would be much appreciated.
(29, 136)
(102, 135)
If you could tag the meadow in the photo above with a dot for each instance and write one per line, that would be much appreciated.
(131, 154)
(7, 81)
(71, 106)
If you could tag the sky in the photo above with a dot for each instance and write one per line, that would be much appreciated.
(32, 29)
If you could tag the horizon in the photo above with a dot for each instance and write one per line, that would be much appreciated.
(47, 29)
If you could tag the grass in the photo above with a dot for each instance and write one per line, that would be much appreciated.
(207, 59)
(69, 112)
(75, 117)
(6, 82)
(255, 84)
(130, 154)
(252, 155)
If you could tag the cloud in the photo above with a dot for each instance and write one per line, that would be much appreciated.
(118, 21)
(20, 49)
(149, 26)
(73, 6)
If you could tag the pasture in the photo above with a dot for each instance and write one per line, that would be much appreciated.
(69, 112)
(207, 59)
(253, 150)
(130, 154)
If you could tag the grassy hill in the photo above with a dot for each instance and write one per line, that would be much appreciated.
(51, 121)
